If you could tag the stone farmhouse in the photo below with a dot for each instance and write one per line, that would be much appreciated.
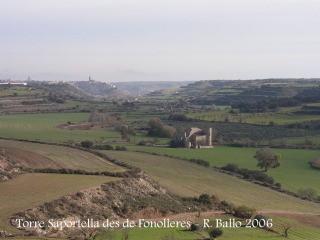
(197, 138)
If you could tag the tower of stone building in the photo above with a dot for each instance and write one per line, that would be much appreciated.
(209, 137)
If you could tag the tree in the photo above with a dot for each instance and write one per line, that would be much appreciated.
(216, 232)
(158, 129)
(178, 117)
(267, 158)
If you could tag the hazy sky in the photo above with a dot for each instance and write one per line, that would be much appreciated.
(131, 40)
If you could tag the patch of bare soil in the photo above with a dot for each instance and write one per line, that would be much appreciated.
(30, 159)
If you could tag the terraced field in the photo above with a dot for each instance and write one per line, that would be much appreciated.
(282, 117)
(31, 190)
(36, 155)
(187, 179)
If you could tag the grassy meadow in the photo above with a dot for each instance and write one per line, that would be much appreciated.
(294, 172)
(43, 127)
(187, 179)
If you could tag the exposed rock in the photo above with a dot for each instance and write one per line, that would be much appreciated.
(128, 198)
(8, 168)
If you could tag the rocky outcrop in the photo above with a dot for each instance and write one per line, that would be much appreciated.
(123, 199)
(8, 168)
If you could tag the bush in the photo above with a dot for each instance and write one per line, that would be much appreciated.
(194, 227)
(244, 212)
(215, 233)
(103, 147)
(249, 174)
(87, 144)
(200, 162)
(108, 147)
(121, 148)
(277, 184)
(227, 207)
(256, 175)
(177, 142)
(205, 199)
(308, 193)
(260, 218)
(178, 117)
(231, 167)
(315, 163)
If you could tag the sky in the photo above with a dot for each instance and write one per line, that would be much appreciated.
(159, 40)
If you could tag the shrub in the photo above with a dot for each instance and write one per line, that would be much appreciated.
(121, 148)
(315, 163)
(259, 218)
(87, 144)
(205, 199)
(249, 174)
(103, 147)
(200, 162)
(108, 147)
(194, 227)
(277, 184)
(244, 212)
(231, 167)
(308, 193)
(177, 142)
(227, 207)
(178, 117)
(215, 233)
(256, 175)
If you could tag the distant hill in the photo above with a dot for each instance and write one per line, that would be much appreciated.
(58, 89)
(230, 92)
(36, 96)
(141, 88)
(96, 88)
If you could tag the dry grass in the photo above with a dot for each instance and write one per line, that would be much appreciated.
(35, 155)
(30, 190)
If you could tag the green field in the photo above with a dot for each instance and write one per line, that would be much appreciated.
(301, 228)
(30, 190)
(188, 179)
(304, 141)
(282, 117)
(294, 172)
(19, 91)
(36, 155)
(44, 127)
(152, 233)
(176, 234)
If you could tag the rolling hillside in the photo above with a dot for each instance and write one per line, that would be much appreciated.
(187, 179)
